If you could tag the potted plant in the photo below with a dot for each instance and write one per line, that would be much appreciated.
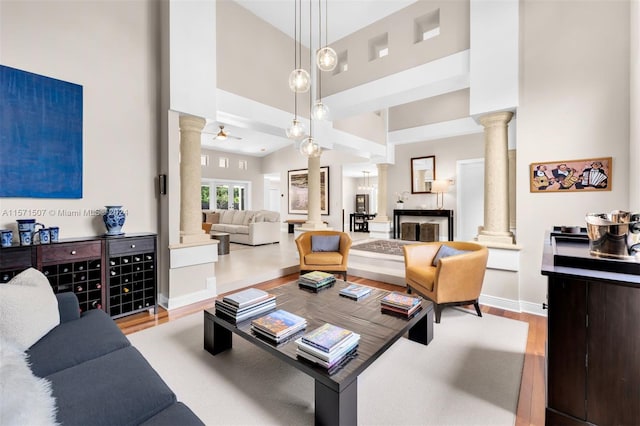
(400, 199)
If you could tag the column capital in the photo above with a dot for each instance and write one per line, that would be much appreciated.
(192, 123)
(496, 119)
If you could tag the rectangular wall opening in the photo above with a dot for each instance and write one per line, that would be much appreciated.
(379, 47)
(343, 63)
(426, 26)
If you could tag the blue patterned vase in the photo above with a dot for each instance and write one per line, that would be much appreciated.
(114, 220)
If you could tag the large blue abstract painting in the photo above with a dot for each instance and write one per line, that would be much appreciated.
(40, 136)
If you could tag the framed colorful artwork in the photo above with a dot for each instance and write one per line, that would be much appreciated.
(590, 174)
(299, 191)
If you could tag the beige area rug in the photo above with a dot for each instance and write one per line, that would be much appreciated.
(468, 375)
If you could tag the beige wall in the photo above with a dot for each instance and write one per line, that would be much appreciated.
(403, 52)
(370, 126)
(449, 106)
(112, 50)
(255, 59)
(574, 104)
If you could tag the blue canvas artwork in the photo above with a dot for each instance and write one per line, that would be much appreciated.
(40, 136)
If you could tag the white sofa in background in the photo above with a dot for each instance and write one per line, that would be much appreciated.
(252, 227)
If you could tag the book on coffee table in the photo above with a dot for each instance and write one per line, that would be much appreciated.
(400, 300)
(278, 325)
(246, 297)
(355, 291)
(326, 337)
(316, 280)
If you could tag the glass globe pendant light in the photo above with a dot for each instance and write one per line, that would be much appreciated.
(327, 59)
(296, 130)
(309, 147)
(320, 111)
(299, 80)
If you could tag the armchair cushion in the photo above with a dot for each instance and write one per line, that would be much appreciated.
(446, 251)
(323, 258)
(325, 243)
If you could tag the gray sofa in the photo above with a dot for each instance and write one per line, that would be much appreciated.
(98, 378)
(252, 227)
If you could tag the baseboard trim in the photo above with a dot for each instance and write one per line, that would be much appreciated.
(187, 299)
(512, 305)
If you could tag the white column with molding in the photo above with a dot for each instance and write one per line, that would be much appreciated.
(496, 179)
(314, 214)
(380, 226)
(190, 180)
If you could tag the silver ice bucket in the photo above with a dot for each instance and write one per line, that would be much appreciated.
(615, 234)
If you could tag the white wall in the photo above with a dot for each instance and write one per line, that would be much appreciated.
(574, 104)
(112, 50)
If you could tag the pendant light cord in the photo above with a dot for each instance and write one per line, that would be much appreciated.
(310, 62)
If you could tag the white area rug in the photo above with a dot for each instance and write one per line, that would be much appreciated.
(468, 375)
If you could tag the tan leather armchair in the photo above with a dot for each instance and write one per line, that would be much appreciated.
(456, 280)
(326, 261)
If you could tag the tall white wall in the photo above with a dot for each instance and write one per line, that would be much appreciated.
(574, 103)
(112, 50)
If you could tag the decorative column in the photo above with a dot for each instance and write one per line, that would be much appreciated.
(314, 219)
(380, 226)
(496, 179)
(190, 180)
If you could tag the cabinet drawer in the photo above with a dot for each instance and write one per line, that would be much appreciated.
(15, 258)
(131, 245)
(70, 252)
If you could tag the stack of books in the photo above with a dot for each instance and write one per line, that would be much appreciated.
(245, 304)
(316, 280)
(278, 326)
(400, 304)
(355, 292)
(328, 346)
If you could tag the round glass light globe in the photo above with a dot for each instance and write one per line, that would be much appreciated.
(327, 59)
(299, 80)
(309, 148)
(296, 130)
(320, 111)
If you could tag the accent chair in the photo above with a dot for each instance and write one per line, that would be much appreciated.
(449, 276)
(326, 251)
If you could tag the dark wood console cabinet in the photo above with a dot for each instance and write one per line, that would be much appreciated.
(593, 342)
(78, 265)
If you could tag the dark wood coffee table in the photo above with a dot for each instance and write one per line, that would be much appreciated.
(336, 395)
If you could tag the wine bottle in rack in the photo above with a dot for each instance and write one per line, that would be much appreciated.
(125, 289)
(149, 257)
(125, 260)
(112, 262)
(96, 304)
(137, 259)
(113, 273)
(79, 288)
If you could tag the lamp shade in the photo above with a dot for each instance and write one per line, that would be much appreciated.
(296, 130)
(439, 186)
(310, 148)
(320, 111)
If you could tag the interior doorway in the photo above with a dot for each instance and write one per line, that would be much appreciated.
(470, 198)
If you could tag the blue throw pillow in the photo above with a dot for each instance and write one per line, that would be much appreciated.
(325, 243)
(446, 251)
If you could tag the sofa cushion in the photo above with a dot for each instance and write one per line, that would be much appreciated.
(446, 251)
(269, 216)
(238, 217)
(236, 229)
(28, 308)
(248, 217)
(119, 388)
(176, 414)
(323, 258)
(325, 243)
(24, 398)
(74, 342)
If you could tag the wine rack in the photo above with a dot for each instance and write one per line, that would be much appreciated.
(131, 275)
(76, 267)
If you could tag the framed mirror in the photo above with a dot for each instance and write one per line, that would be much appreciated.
(423, 172)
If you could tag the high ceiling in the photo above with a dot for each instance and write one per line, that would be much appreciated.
(345, 17)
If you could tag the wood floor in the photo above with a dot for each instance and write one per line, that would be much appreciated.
(532, 389)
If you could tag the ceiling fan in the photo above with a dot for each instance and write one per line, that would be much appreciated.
(223, 135)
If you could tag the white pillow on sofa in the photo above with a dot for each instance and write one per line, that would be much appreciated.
(28, 308)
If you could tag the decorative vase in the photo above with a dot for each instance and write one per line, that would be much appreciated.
(399, 206)
(114, 220)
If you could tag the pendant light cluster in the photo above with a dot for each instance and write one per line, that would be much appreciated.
(300, 80)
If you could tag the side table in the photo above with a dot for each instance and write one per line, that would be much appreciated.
(223, 237)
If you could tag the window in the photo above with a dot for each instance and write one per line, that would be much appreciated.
(223, 162)
(204, 160)
(204, 196)
(229, 195)
(243, 164)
